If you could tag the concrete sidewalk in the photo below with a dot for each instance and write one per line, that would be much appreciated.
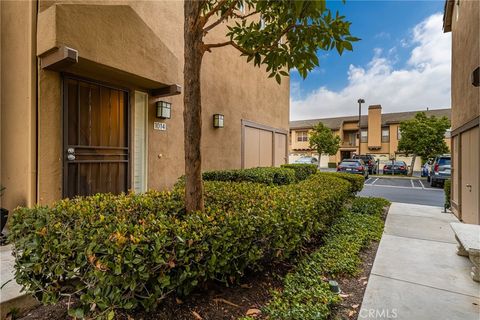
(11, 297)
(417, 273)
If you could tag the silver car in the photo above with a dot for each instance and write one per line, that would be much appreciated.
(308, 160)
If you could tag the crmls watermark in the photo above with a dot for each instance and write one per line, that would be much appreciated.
(379, 313)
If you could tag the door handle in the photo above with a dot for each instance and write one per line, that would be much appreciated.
(71, 157)
(469, 186)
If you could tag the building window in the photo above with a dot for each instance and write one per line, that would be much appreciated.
(302, 136)
(399, 134)
(363, 136)
(385, 135)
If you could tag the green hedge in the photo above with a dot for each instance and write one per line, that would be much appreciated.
(306, 295)
(266, 175)
(447, 187)
(129, 251)
(302, 171)
(356, 181)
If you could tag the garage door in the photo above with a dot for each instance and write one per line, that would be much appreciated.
(262, 146)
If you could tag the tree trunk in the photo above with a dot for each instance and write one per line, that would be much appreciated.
(192, 113)
(410, 171)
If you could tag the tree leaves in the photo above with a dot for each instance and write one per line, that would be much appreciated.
(287, 34)
(323, 140)
(424, 136)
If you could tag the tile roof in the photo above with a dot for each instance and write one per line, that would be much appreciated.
(387, 118)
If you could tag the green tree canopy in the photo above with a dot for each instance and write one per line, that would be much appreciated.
(423, 136)
(276, 34)
(323, 140)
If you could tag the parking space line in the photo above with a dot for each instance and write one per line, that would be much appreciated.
(374, 181)
(401, 187)
(423, 187)
(411, 181)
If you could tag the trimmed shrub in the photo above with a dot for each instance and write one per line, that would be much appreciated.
(447, 188)
(332, 165)
(306, 295)
(266, 175)
(356, 181)
(302, 170)
(129, 251)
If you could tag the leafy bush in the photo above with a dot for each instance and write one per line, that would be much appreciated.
(306, 296)
(447, 188)
(266, 175)
(302, 170)
(129, 251)
(356, 180)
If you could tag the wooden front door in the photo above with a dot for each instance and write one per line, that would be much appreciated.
(96, 139)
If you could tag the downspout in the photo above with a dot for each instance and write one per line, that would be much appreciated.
(37, 84)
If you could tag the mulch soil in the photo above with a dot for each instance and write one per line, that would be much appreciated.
(217, 302)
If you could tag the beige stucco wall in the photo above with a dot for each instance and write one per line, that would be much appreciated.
(139, 55)
(465, 58)
(18, 90)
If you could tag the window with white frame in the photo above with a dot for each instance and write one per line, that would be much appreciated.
(385, 135)
(140, 142)
(363, 136)
(302, 136)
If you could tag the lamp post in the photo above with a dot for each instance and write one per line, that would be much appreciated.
(360, 101)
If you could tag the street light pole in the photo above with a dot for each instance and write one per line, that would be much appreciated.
(360, 101)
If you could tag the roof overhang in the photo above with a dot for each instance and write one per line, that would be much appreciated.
(447, 15)
(112, 52)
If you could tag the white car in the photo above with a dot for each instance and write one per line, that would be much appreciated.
(307, 160)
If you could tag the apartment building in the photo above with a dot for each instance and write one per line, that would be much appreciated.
(462, 19)
(379, 136)
(91, 101)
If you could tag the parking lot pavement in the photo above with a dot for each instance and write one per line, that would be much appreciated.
(404, 190)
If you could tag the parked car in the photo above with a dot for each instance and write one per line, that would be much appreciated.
(308, 160)
(398, 167)
(355, 166)
(369, 161)
(440, 170)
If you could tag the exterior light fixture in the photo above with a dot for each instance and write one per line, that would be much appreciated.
(164, 110)
(218, 120)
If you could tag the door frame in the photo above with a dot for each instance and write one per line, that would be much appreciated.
(64, 92)
(251, 124)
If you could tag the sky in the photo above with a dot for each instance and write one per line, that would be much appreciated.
(401, 63)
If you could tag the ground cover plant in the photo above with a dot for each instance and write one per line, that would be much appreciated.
(306, 293)
(131, 251)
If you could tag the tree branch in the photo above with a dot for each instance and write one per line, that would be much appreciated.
(213, 11)
(209, 46)
(222, 17)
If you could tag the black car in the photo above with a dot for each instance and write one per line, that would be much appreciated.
(355, 166)
(398, 167)
(440, 170)
(369, 161)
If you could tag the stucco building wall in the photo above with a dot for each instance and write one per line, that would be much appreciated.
(462, 18)
(135, 45)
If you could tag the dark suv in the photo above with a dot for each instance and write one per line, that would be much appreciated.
(369, 161)
(440, 170)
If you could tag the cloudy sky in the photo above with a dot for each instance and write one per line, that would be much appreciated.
(402, 62)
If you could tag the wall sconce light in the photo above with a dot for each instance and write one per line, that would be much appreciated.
(164, 110)
(218, 120)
